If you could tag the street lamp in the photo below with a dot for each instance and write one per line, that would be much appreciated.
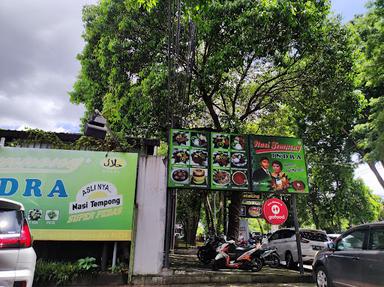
(96, 126)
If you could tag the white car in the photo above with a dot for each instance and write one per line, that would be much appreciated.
(284, 240)
(17, 257)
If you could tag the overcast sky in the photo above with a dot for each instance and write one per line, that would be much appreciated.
(38, 46)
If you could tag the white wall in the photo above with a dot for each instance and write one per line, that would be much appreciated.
(151, 201)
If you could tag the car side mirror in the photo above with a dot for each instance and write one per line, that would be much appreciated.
(331, 246)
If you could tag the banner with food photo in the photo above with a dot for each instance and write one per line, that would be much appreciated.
(229, 161)
(251, 208)
(278, 165)
(188, 162)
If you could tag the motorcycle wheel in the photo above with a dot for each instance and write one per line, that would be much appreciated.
(215, 267)
(257, 264)
(275, 261)
(203, 256)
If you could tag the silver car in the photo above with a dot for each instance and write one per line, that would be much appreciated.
(356, 258)
(17, 257)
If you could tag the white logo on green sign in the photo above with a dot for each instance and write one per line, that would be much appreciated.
(95, 196)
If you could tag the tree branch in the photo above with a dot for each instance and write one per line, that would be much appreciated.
(238, 86)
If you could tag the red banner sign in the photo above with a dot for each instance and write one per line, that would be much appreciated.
(275, 211)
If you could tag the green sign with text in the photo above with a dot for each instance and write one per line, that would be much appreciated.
(72, 195)
(278, 164)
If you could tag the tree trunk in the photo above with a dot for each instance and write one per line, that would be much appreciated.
(188, 213)
(372, 166)
(260, 225)
(220, 216)
(209, 214)
(312, 204)
(193, 223)
(289, 222)
(234, 216)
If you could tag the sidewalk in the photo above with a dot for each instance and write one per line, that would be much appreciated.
(186, 269)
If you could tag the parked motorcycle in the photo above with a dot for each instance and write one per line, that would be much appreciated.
(270, 257)
(249, 258)
(234, 257)
(207, 252)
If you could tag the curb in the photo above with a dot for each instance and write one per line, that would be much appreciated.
(219, 278)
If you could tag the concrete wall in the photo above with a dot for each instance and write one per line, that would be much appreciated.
(151, 201)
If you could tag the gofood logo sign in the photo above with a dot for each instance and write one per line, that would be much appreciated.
(95, 196)
(275, 211)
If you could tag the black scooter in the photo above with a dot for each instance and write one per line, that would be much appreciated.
(207, 252)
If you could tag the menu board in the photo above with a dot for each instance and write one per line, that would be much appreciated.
(251, 208)
(278, 165)
(188, 163)
(223, 161)
(229, 161)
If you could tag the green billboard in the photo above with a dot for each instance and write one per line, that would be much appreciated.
(72, 195)
(224, 161)
(278, 165)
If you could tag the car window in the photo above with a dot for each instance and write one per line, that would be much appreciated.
(376, 239)
(314, 236)
(290, 233)
(10, 221)
(283, 234)
(351, 241)
(274, 236)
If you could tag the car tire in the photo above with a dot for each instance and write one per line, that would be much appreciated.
(289, 261)
(322, 277)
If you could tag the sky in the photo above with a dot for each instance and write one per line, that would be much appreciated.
(38, 46)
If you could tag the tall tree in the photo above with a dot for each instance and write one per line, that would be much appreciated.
(218, 64)
(369, 37)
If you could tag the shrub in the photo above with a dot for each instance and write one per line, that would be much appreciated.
(61, 273)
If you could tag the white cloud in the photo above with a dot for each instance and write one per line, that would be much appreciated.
(363, 171)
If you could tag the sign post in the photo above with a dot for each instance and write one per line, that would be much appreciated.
(297, 232)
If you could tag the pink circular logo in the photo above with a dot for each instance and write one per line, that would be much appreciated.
(275, 211)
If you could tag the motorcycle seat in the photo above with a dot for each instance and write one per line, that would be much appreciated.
(243, 249)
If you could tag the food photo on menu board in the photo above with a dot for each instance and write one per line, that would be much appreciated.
(250, 211)
(252, 208)
(229, 162)
(278, 165)
(188, 159)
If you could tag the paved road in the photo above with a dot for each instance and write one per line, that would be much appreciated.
(243, 285)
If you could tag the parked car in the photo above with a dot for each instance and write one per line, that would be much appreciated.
(284, 240)
(356, 258)
(17, 257)
(333, 236)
